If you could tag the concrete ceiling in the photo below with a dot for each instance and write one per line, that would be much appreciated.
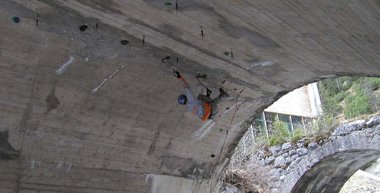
(82, 101)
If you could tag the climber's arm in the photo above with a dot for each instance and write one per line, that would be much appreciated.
(178, 75)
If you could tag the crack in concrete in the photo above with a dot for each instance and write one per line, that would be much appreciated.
(153, 145)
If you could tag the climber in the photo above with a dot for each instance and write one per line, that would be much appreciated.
(202, 106)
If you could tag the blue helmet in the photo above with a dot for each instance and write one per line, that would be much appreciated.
(16, 19)
(182, 99)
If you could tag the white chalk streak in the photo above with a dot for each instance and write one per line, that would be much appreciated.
(109, 77)
(60, 164)
(63, 67)
(33, 164)
(69, 167)
(204, 130)
(262, 64)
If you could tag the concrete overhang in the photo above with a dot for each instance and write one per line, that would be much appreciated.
(76, 98)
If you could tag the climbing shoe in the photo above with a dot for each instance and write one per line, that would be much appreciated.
(208, 92)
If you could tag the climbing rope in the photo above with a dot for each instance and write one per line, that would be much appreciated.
(229, 127)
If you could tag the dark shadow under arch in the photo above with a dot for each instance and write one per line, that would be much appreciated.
(331, 173)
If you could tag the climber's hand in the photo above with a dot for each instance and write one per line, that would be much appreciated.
(176, 74)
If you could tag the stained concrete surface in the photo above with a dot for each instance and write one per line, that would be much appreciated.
(113, 97)
(7, 152)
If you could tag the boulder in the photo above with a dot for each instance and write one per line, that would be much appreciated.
(229, 188)
(301, 143)
(313, 145)
(269, 160)
(286, 146)
(347, 128)
(302, 151)
(275, 150)
(373, 121)
(275, 173)
(280, 161)
(292, 152)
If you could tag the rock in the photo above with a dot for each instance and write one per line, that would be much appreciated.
(301, 143)
(280, 161)
(288, 161)
(293, 158)
(292, 152)
(302, 151)
(274, 190)
(260, 154)
(229, 188)
(373, 121)
(347, 128)
(269, 160)
(275, 150)
(286, 146)
(285, 155)
(313, 145)
(262, 162)
(322, 141)
(275, 173)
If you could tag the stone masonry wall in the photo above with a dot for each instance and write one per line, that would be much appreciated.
(285, 164)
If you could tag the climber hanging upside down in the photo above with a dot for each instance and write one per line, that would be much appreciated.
(202, 106)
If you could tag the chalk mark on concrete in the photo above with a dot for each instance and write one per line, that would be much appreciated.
(109, 77)
(262, 64)
(204, 130)
(64, 66)
(35, 163)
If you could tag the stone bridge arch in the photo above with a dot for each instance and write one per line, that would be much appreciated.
(321, 166)
(331, 173)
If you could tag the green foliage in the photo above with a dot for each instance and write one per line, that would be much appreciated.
(332, 92)
(356, 105)
(297, 135)
(281, 128)
(331, 105)
(375, 82)
(328, 87)
(348, 96)
(325, 123)
(280, 134)
(275, 140)
(346, 82)
(340, 97)
(261, 141)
